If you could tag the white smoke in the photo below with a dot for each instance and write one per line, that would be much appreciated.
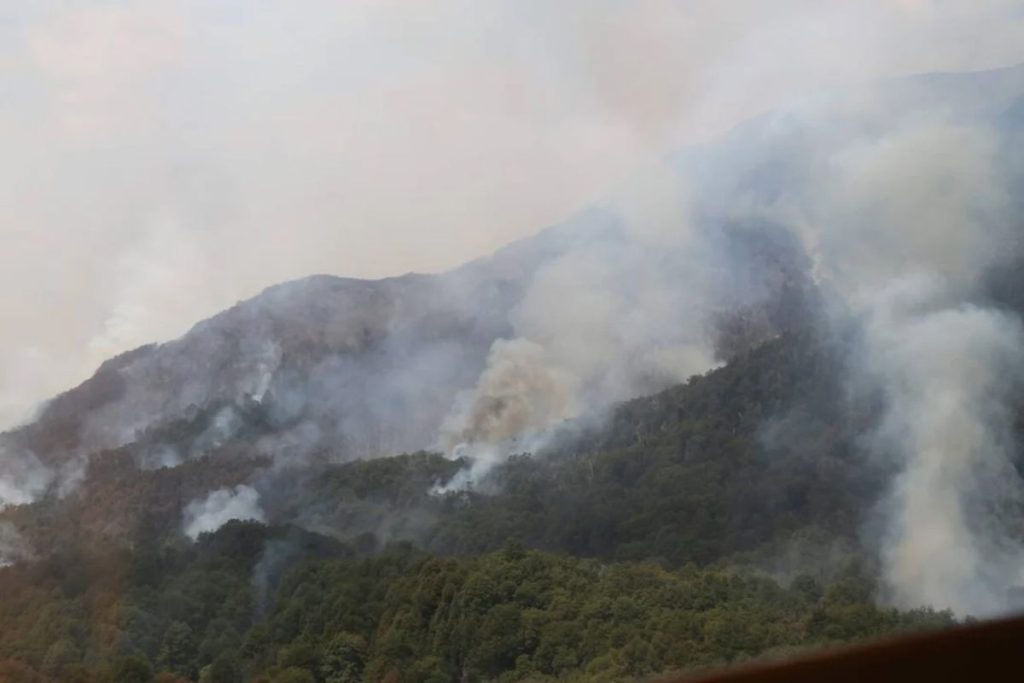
(510, 129)
(23, 477)
(224, 425)
(947, 370)
(612, 318)
(71, 474)
(220, 507)
(902, 222)
(159, 456)
(521, 390)
(13, 547)
(916, 220)
(200, 153)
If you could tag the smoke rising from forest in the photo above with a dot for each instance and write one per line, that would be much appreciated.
(903, 228)
(619, 315)
(23, 477)
(919, 217)
(202, 151)
(13, 547)
(195, 167)
(219, 508)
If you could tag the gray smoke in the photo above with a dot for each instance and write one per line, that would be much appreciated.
(922, 217)
(225, 424)
(897, 202)
(521, 389)
(23, 477)
(159, 456)
(13, 547)
(948, 370)
(903, 222)
(623, 313)
(220, 507)
(900, 201)
(201, 153)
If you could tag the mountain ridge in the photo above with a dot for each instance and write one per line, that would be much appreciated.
(268, 496)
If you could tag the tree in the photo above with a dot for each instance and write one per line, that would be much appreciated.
(225, 669)
(178, 651)
(131, 669)
(168, 677)
(294, 674)
(344, 659)
(60, 657)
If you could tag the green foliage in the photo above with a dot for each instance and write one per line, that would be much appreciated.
(131, 669)
(294, 674)
(226, 668)
(746, 456)
(525, 615)
(511, 615)
(623, 552)
(740, 462)
(179, 651)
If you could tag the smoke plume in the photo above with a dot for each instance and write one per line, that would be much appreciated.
(199, 153)
(622, 313)
(919, 218)
(23, 478)
(220, 507)
(901, 209)
(520, 390)
(13, 548)
(948, 371)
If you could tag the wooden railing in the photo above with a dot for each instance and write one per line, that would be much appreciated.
(987, 651)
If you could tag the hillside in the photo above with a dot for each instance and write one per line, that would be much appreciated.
(511, 615)
(621, 447)
(693, 476)
(697, 473)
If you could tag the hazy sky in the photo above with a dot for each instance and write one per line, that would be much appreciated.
(162, 159)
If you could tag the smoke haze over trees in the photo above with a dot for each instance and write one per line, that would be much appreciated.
(202, 151)
(759, 387)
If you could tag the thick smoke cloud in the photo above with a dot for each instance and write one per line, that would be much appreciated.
(625, 311)
(198, 152)
(901, 204)
(13, 547)
(652, 293)
(520, 390)
(918, 218)
(220, 507)
(948, 373)
(902, 207)
(23, 478)
(165, 159)
(905, 212)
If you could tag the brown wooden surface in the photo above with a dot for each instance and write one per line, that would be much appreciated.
(989, 651)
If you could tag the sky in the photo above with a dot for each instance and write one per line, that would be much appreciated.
(163, 159)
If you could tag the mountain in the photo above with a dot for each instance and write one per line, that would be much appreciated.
(638, 408)
(430, 588)
(368, 368)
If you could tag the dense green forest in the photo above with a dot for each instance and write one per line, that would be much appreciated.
(215, 611)
(749, 458)
(849, 268)
(712, 523)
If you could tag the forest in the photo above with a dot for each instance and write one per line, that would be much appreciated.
(676, 533)
(417, 342)
(219, 612)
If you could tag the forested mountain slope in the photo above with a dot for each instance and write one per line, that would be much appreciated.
(216, 611)
(696, 475)
(502, 472)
